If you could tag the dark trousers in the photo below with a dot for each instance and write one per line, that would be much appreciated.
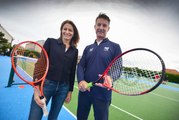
(100, 107)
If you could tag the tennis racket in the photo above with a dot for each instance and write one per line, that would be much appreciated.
(30, 62)
(134, 72)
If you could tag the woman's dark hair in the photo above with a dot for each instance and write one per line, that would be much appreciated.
(75, 39)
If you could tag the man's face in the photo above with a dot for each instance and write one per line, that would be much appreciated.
(101, 27)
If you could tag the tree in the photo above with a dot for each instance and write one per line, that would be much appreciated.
(4, 45)
(2, 39)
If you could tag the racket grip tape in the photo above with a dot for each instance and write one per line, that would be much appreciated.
(90, 85)
(45, 111)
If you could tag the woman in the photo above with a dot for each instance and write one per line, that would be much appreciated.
(59, 82)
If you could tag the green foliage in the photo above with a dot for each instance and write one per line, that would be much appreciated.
(173, 77)
(4, 45)
(140, 72)
(2, 39)
(30, 53)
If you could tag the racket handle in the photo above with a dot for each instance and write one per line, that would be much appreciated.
(45, 111)
(90, 84)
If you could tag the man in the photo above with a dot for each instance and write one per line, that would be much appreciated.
(95, 59)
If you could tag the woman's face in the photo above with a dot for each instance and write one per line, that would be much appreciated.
(67, 32)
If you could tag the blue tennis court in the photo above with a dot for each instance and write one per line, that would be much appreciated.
(15, 100)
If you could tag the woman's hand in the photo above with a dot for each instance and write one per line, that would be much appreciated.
(68, 98)
(37, 99)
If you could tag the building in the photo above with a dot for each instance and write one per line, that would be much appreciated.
(5, 51)
(6, 34)
(41, 42)
(172, 71)
(35, 47)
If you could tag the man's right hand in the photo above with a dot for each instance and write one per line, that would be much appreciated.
(83, 86)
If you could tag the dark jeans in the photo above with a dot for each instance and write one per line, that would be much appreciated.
(55, 91)
(100, 107)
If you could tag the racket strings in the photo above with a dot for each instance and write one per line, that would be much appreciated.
(24, 67)
(40, 67)
(115, 69)
(30, 61)
(136, 72)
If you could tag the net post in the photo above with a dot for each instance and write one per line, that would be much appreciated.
(11, 76)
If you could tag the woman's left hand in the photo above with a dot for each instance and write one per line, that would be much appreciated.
(68, 98)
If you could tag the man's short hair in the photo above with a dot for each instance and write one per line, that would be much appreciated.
(104, 16)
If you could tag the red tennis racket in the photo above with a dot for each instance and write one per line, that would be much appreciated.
(30, 62)
(134, 72)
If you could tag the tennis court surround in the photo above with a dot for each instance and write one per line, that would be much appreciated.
(161, 104)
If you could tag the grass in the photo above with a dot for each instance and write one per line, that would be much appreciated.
(28, 67)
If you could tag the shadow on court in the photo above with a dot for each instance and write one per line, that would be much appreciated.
(15, 100)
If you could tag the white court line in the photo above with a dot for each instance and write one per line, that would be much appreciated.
(122, 110)
(172, 99)
(69, 112)
(126, 112)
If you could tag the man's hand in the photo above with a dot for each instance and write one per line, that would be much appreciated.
(83, 86)
(107, 82)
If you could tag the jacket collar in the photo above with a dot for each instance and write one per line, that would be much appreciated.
(103, 41)
(61, 42)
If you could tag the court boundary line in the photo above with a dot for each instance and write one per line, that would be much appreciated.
(69, 112)
(126, 112)
(172, 99)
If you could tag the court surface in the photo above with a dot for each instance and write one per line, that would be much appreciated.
(161, 104)
(15, 100)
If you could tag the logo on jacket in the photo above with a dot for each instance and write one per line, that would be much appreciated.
(90, 50)
(106, 48)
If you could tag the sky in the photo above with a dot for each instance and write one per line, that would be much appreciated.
(152, 24)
